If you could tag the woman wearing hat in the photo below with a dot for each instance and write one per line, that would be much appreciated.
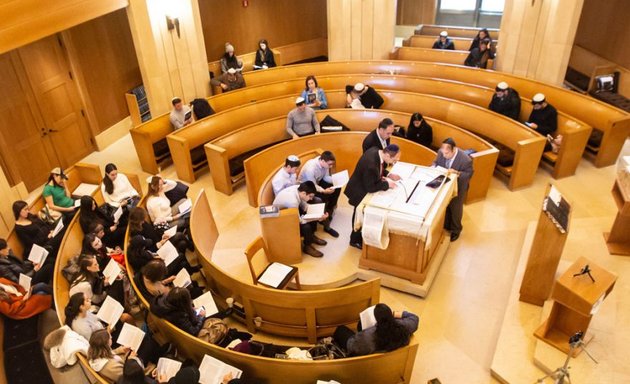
(58, 196)
(229, 59)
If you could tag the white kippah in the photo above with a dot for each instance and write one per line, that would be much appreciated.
(538, 98)
(231, 71)
(359, 87)
(293, 158)
(444, 34)
(299, 100)
(502, 86)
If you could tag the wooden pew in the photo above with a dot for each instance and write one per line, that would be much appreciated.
(426, 41)
(612, 122)
(147, 134)
(303, 50)
(471, 32)
(445, 56)
(345, 145)
(394, 367)
(77, 174)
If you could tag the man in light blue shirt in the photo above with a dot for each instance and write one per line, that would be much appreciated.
(287, 175)
(317, 170)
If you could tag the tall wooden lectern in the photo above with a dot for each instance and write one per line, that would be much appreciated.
(576, 299)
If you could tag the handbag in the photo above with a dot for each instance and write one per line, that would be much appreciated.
(49, 216)
(213, 331)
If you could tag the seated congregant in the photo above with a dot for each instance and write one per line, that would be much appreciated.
(379, 137)
(297, 196)
(90, 215)
(392, 331)
(313, 94)
(181, 114)
(30, 229)
(229, 60)
(362, 96)
(301, 121)
(264, 56)
(506, 101)
(229, 81)
(57, 195)
(544, 117)
(478, 57)
(162, 212)
(483, 34)
(318, 171)
(419, 131)
(18, 303)
(12, 266)
(443, 42)
(117, 190)
(287, 175)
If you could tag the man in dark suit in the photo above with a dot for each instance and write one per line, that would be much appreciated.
(456, 161)
(379, 137)
(370, 176)
(506, 101)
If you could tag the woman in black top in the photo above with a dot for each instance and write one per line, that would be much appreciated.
(91, 215)
(139, 225)
(483, 34)
(264, 56)
(11, 266)
(30, 229)
(139, 254)
(419, 130)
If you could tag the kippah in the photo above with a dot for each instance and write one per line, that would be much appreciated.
(359, 87)
(393, 148)
(538, 98)
(444, 34)
(449, 141)
(502, 86)
(293, 158)
(231, 71)
(299, 100)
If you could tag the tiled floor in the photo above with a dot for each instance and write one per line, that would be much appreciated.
(463, 313)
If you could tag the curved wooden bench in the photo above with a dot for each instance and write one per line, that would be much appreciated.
(613, 123)
(470, 32)
(345, 145)
(77, 174)
(565, 163)
(426, 41)
(223, 148)
(445, 56)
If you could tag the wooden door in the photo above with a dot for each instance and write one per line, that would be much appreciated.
(50, 76)
(29, 156)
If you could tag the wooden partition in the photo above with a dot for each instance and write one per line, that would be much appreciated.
(445, 56)
(470, 32)
(426, 41)
(147, 134)
(612, 122)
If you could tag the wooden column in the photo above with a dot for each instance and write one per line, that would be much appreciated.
(536, 38)
(171, 65)
(360, 29)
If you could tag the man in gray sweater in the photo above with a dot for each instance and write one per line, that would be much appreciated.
(301, 120)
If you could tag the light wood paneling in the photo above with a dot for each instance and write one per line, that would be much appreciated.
(413, 12)
(281, 22)
(104, 53)
(45, 18)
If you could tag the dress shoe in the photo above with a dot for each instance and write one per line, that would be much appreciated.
(357, 245)
(454, 236)
(331, 232)
(309, 250)
(319, 241)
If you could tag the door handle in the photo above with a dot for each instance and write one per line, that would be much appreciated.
(52, 130)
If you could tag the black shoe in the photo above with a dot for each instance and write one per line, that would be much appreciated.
(357, 245)
(193, 269)
(331, 232)
(318, 241)
(454, 236)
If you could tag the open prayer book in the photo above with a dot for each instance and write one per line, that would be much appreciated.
(110, 311)
(402, 169)
(25, 282)
(182, 279)
(207, 302)
(111, 271)
(38, 255)
(168, 367)
(340, 179)
(58, 228)
(117, 214)
(367, 318)
(130, 336)
(275, 274)
(212, 371)
(314, 211)
(185, 207)
(374, 230)
(171, 231)
(168, 253)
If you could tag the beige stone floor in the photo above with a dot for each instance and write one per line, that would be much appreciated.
(461, 318)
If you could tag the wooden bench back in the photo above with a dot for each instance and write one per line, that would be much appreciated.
(302, 50)
(248, 62)
(427, 41)
(445, 56)
(470, 32)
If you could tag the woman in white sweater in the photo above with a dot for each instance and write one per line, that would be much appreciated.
(159, 207)
(117, 190)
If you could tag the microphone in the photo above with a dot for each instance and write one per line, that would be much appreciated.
(404, 188)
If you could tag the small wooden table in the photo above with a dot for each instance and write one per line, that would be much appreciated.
(618, 239)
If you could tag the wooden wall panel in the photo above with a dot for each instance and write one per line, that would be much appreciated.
(414, 12)
(281, 22)
(45, 18)
(104, 53)
(604, 30)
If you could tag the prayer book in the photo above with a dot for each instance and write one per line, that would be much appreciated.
(117, 214)
(182, 279)
(130, 336)
(367, 318)
(38, 254)
(275, 274)
(58, 228)
(185, 207)
(340, 179)
(314, 211)
(207, 302)
(168, 367)
(213, 370)
(110, 311)
(111, 271)
(171, 231)
(25, 282)
(168, 253)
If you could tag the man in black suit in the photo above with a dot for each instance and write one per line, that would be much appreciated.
(370, 176)
(506, 101)
(456, 161)
(379, 137)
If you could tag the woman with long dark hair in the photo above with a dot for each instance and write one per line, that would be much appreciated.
(139, 225)
(481, 35)
(12, 266)
(162, 214)
(57, 195)
(30, 229)
(264, 56)
(90, 215)
(313, 94)
(392, 331)
(117, 190)
(229, 60)
(419, 130)
(139, 255)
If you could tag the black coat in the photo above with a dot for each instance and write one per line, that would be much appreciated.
(11, 267)
(422, 135)
(546, 119)
(265, 58)
(366, 177)
(448, 44)
(369, 99)
(37, 233)
(509, 105)
(186, 321)
(479, 59)
(372, 140)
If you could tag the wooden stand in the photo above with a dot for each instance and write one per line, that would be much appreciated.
(576, 299)
(282, 237)
(618, 239)
(543, 260)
